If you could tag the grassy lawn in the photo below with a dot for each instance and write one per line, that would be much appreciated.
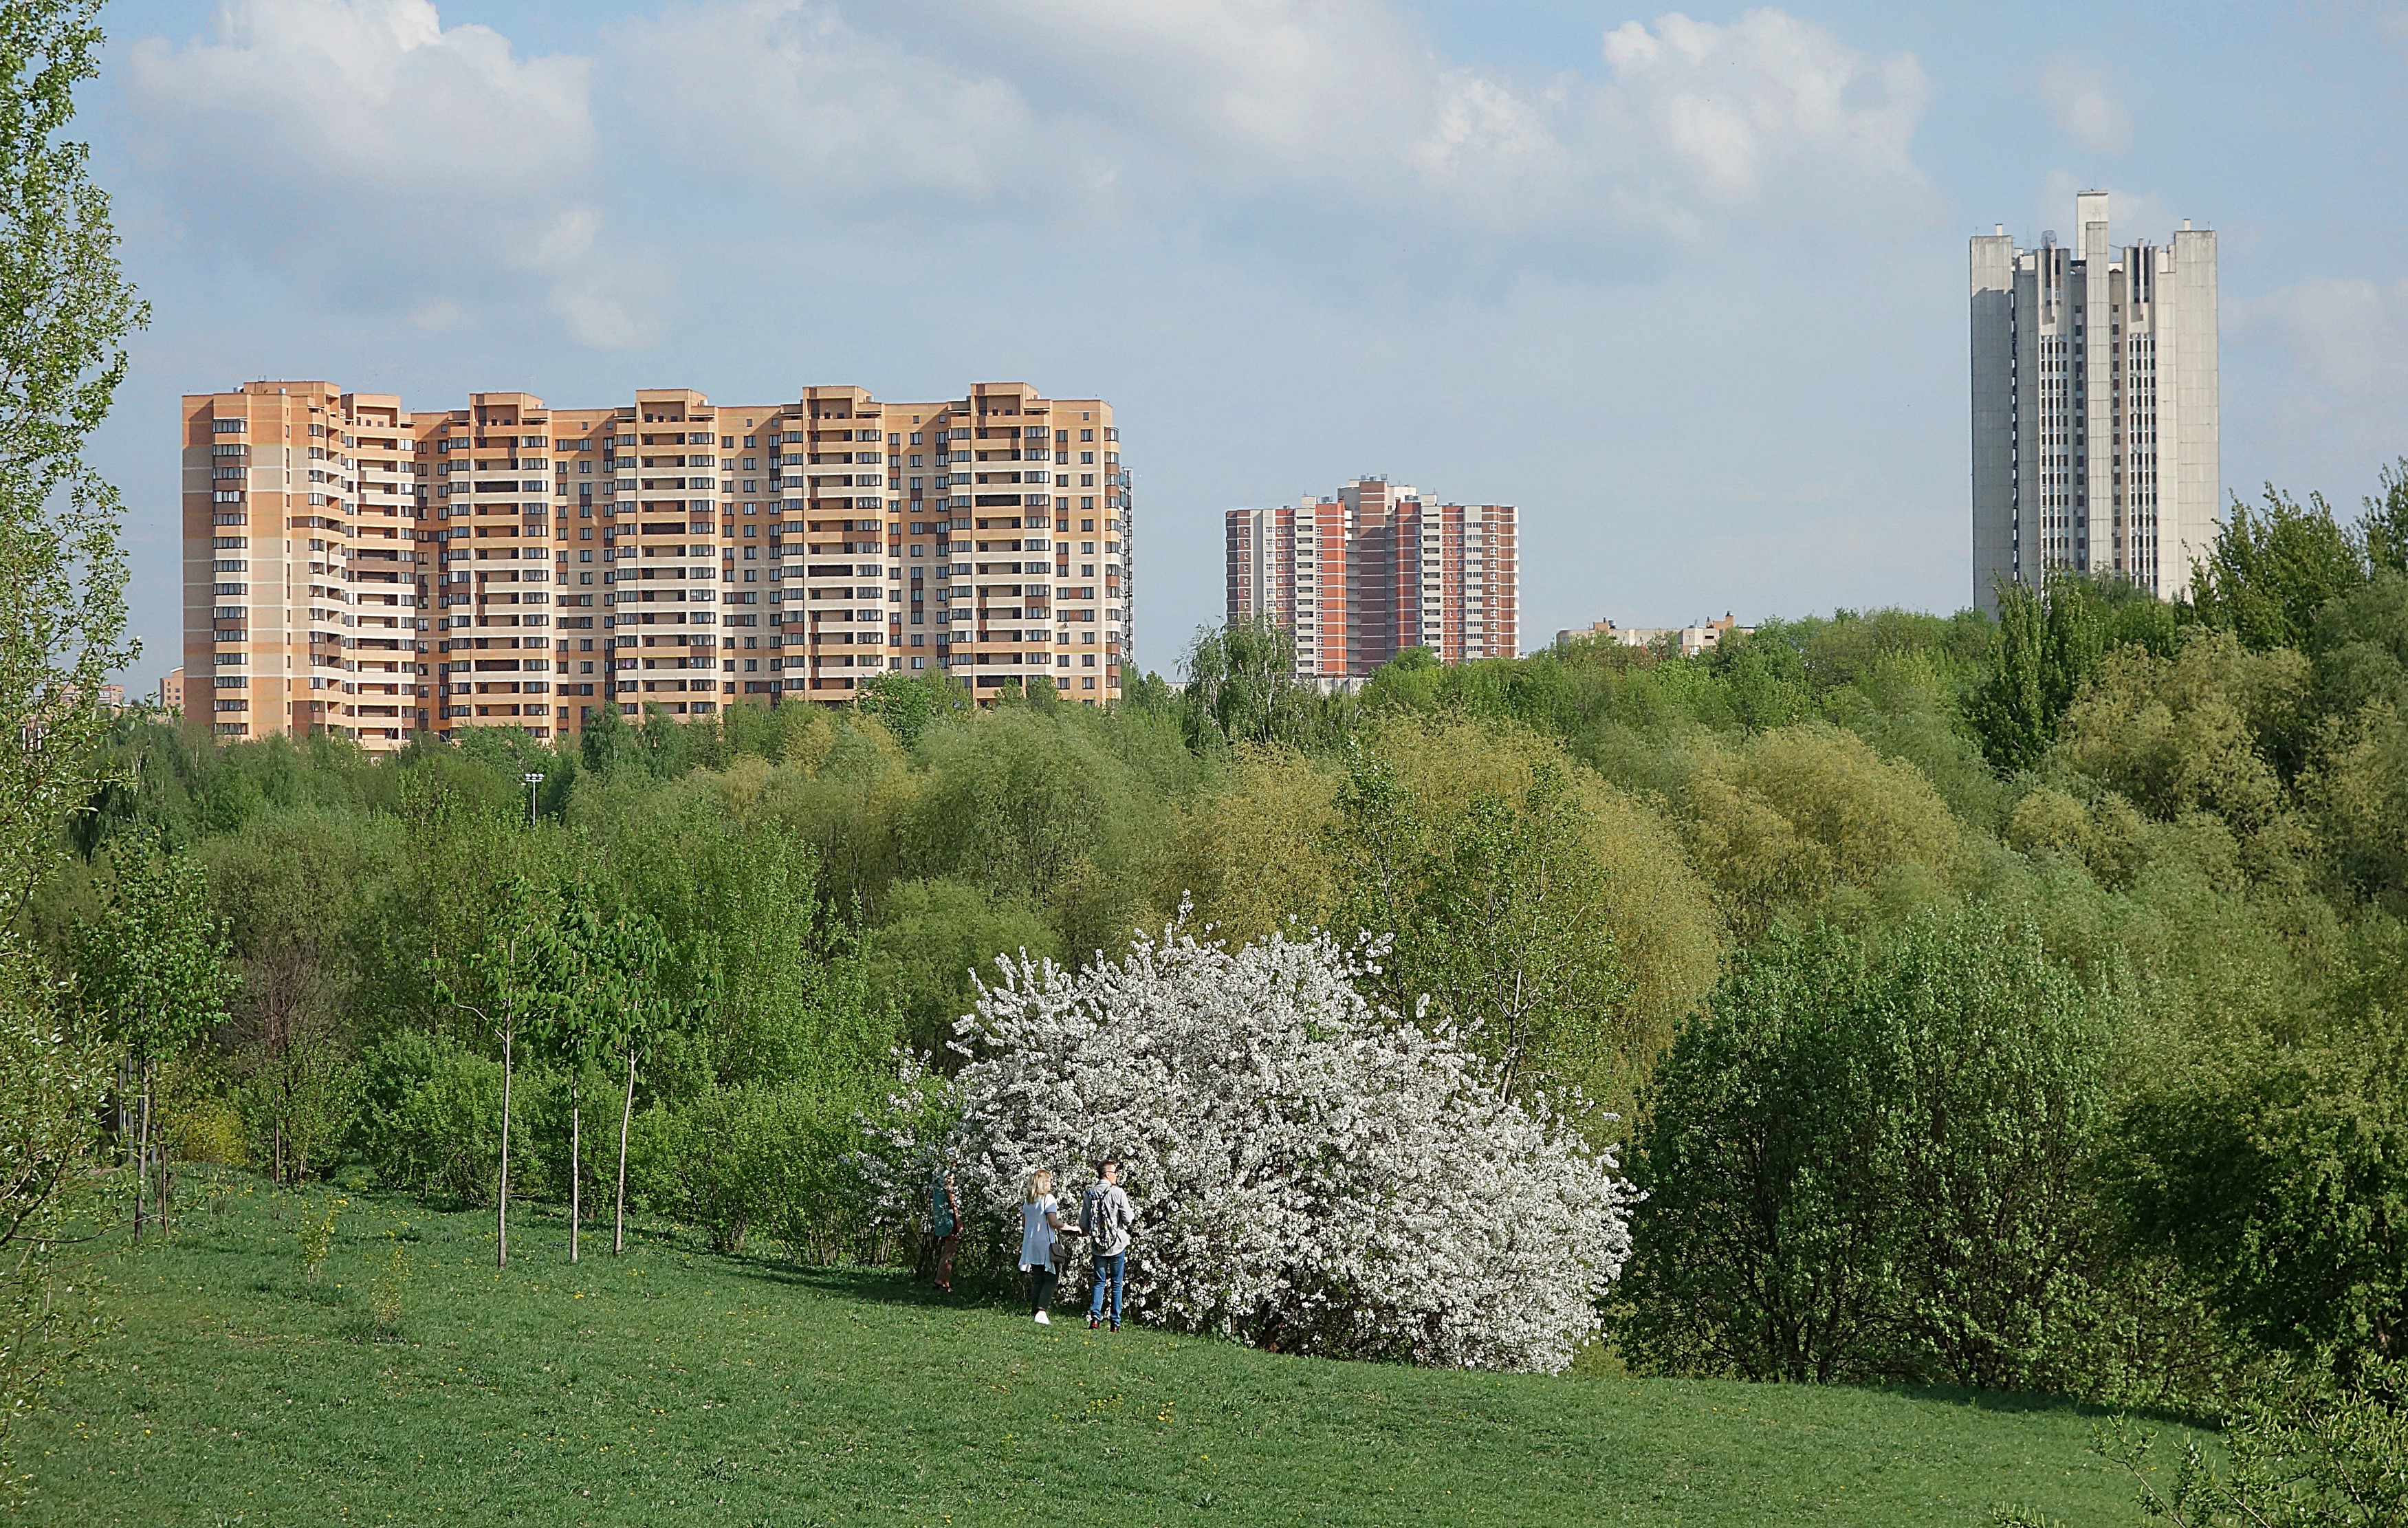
(673, 1385)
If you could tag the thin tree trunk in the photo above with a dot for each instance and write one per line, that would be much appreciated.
(142, 1153)
(626, 1118)
(574, 1122)
(166, 1190)
(502, 1199)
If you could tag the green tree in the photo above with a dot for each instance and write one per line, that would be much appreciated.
(637, 1012)
(567, 1012)
(299, 888)
(53, 1083)
(908, 704)
(600, 997)
(1765, 678)
(2212, 731)
(2049, 644)
(933, 939)
(1874, 1163)
(2383, 529)
(2282, 1179)
(65, 311)
(153, 969)
(495, 980)
(2273, 569)
(1484, 910)
(1242, 687)
(1809, 820)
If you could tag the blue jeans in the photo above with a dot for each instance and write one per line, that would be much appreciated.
(1110, 1272)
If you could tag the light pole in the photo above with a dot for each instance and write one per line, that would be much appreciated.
(532, 780)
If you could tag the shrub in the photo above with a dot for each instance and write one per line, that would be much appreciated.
(314, 1239)
(766, 1160)
(207, 1131)
(385, 1293)
(2280, 1180)
(1867, 1164)
(2308, 1454)
(1311, 1175)
(434, 1119)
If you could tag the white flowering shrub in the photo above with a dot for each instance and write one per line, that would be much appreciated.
(1309, 1175)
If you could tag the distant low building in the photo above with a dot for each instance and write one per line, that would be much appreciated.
(112, 697)
(1694, 640)
(171, 691)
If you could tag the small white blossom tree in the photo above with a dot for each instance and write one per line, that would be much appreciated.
(1311, 1176)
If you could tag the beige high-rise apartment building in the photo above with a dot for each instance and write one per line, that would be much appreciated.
(2094, 407)
(1363, 576)
(356, 567)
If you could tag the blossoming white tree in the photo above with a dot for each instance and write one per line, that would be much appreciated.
(1311, 1176)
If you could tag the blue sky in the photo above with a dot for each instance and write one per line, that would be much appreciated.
(1688, 287)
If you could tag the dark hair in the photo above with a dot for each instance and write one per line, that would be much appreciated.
(1106, 1166)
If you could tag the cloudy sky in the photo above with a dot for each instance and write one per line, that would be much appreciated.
(1688, 287)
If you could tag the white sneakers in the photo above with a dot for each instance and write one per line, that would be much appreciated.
(1044, 1320)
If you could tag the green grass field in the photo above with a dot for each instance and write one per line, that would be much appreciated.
(673, 1385)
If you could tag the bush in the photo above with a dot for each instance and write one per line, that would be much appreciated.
(314, 1238)
(2280, 1181)
(761, 1160)
(433, 1120)
(1875, 1165)
(1311, 1176)
(2306, 1454)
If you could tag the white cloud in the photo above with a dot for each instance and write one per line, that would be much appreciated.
(1285, 81)
(1767, 94)
(1214, 114)
(789, 91)
(366, 146)
(433, 172)
(2076, 87)
(381, 88)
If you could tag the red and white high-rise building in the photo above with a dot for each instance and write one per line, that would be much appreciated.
(1379, 568)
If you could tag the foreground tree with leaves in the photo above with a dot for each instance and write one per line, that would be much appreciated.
(1312, 1175)
(598, 999)
(152, 972)
(53, 1083)
(66, 311)
(496, 982)
(1872, 1164)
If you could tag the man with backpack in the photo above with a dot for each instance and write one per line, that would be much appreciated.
(1105, 1218)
